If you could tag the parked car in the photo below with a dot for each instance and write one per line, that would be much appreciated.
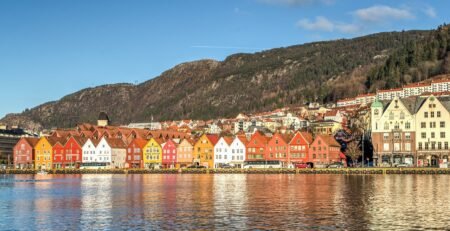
(402, 165)
(336, 165)
(302, 165)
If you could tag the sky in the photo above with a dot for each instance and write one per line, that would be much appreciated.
(51, 48)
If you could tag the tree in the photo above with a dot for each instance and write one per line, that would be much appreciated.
(353, 151)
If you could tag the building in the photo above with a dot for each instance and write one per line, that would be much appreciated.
(185, 151)
(390, 94)
(24, 153)
(44, 151)
(325, 127)
(73, 150)
(299, 147)
(238, 151)
(204, 150)
(96, 154)
(103, 119)
(169, 154)
(135, 152)
(222, 152)
(432, 131)
(153, 153)
(277, 148)
(256, 146)
(393, 131)
(325, 150)
(118, 152)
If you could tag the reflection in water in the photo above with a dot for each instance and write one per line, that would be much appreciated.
(226, 202)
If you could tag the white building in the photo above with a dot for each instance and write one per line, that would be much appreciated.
(390, 94)
(96, 155)
(238, 151)
(222, 152)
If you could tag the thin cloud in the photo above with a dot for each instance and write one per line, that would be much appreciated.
(430, 12)
(227, 47)
(382, 13)
(321, 23)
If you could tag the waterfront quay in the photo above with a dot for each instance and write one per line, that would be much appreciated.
(342, 171)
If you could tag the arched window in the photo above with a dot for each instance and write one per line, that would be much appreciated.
(396, 126)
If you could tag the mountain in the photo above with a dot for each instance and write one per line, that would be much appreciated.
(290, 76)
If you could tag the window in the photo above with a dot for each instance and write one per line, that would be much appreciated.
(432, 134)
(386, 147)
(442, 134)
(407, 147)
(420, 145)
(408, 136)
(442, 124)
(432, 124)
(423, 135)
(385, 136)
(396, 135)
(446, 145)
(425, 114)
(426, 145)
(432, 114)
(423, 125)
(386, 126)
(396, 126)
(438, 114)
(396, 146)
(439, 145)
(407, 125)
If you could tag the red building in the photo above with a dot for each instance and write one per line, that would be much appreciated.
(256, 147)
(58, 152)
(169, 154)
(299, 147)
(24, 153)
(278, 149)
(135, 152)
(73, 150)
(325, 150)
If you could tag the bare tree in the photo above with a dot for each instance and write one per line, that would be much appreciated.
(353, 151)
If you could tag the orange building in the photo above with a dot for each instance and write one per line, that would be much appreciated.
(325, 150)
(204, 150)
(256, 147)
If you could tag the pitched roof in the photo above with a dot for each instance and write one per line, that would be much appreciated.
(228, 140)
(32, 141)
(103, 116)
(213, 138)
(329, 140)
(140, 142)
(307, 136)
(116, 143)
(54, 140)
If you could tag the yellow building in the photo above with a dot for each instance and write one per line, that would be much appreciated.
(153, 153)
(44, 152)
(204, 150)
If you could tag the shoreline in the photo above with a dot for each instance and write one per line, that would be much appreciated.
(342, 171)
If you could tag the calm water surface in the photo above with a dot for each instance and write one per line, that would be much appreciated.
(224, 202)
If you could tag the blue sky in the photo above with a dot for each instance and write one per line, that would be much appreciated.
(52, 48)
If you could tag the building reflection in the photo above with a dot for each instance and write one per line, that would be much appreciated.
(96, 201)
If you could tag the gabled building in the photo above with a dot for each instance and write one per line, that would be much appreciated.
(135, 152)
(238, 151)
(24, 153)
(432, 131)
(299, 147)
(185, 153)
(153, 153)
(222, 152)
(73, 150)
(256, 147)
(325, 150)
(204, 150)
(118, 152)
(393, 128)
(169, 154)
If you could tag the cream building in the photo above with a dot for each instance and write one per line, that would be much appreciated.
(433, 130)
